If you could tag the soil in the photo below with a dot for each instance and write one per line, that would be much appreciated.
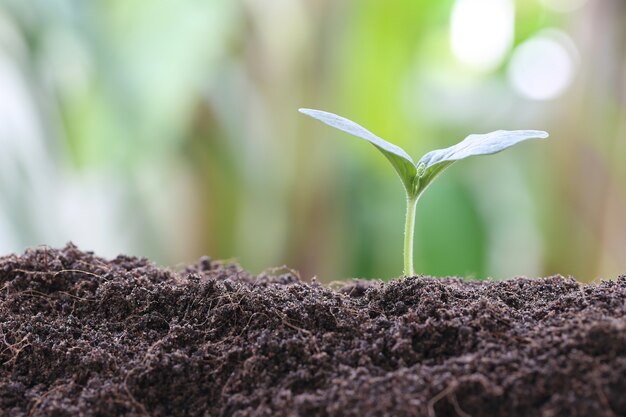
(81, 335)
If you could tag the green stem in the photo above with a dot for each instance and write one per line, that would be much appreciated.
(409, 229)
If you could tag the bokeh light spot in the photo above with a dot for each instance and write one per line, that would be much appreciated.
(481, 32)
(541, 68)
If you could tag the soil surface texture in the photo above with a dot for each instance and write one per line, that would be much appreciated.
(81, 335)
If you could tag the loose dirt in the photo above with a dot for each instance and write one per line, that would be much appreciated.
(80, 335)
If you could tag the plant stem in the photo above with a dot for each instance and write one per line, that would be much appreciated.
(409, 229)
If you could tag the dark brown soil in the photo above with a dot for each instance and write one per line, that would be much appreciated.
(84, 336)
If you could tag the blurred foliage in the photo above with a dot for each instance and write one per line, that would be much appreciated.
(169, 129)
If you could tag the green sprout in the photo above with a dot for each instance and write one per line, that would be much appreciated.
(417, 177)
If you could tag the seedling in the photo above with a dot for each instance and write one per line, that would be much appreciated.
(417, 177)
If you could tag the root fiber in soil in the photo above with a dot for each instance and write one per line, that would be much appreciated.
(81, 335)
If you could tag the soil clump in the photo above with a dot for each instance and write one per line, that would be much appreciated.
(81, 335)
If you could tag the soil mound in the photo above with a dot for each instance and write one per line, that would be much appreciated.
(80, 335)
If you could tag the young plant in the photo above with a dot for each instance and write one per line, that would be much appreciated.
(417, 177)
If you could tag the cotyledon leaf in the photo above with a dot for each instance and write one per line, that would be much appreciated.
(486, 144)
(434, 162)
(401, 161)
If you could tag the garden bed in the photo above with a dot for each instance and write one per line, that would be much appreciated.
(83, 335)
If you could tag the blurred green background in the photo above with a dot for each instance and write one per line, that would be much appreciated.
(168, 129)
